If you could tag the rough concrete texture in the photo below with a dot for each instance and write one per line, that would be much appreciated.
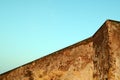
(96, 58)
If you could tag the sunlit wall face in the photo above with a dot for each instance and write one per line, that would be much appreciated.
(30, 29)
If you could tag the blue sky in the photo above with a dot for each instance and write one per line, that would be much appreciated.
(30, 29)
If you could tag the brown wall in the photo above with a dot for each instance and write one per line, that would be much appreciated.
(114, 55)
(96, 58)
(101, 57)
(71, 63)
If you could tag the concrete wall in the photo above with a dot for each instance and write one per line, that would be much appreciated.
(96, 58)
(71, 63)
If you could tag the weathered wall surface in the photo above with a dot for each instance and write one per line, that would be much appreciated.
(96, 58)
(101, 57)
(71, 63)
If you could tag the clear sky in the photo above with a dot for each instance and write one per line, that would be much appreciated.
(30, 29)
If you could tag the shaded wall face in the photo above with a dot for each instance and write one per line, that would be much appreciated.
(101, 58)
(114, 43)
(106, 44)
